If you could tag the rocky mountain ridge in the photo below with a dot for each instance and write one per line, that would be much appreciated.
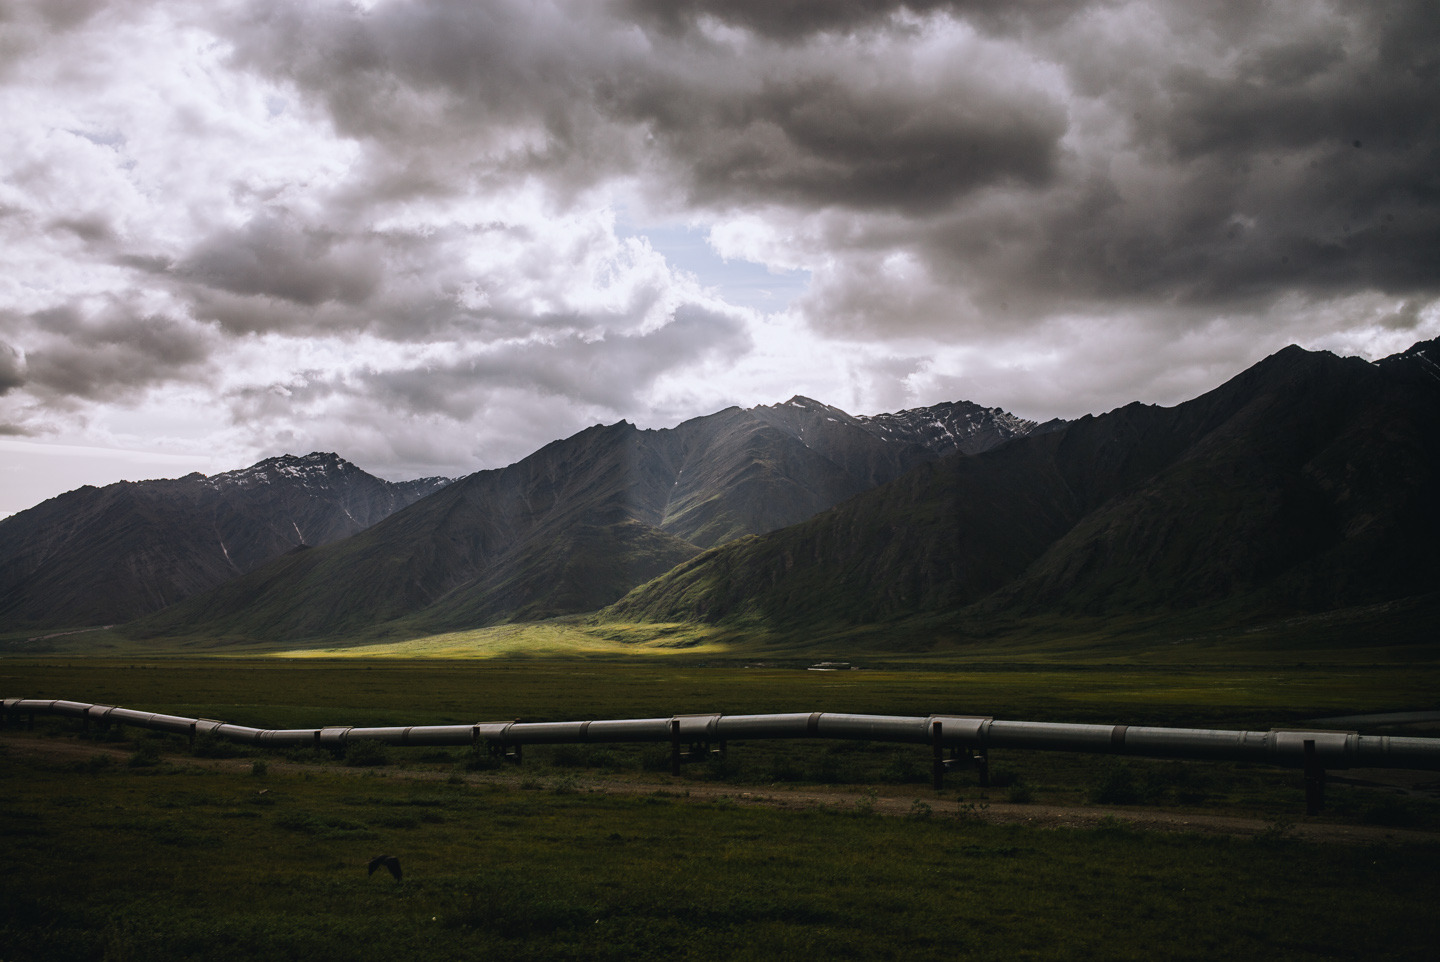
(104, 555)
(1306, 483)
(573, 526)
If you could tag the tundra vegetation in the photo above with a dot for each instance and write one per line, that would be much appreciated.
(126, 844)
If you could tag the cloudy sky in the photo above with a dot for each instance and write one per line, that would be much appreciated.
(432, 235)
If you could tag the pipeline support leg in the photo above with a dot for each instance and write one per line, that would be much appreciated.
(674, 746)
(1314, 780)
(937, 751)
(982, 763)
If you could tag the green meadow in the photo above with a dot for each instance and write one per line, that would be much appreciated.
(280, 692)
(168, 863)
(123, 844)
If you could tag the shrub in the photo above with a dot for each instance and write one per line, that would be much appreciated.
(905, 769)
(1391, 812)
(210, 745)
(479, 759)
(655, 760)
(1004, 778)
(147, 755)
(721, 767)
(96, 763)
(570, 756)
(865, 804)
(365, 752)
(1118, 787)
(784, 771)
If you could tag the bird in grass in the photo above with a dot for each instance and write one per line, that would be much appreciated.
(385, 861)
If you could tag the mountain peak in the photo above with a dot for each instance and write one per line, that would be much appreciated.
(315, 466)
(949, 427)
(103, 555)
(801, 403)
(1421, 360)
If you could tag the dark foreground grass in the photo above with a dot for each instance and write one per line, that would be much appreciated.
(155, 862)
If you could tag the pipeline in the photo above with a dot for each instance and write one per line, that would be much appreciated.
(973, 735)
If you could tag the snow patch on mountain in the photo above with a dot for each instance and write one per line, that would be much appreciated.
(312, 470)
(949, 427)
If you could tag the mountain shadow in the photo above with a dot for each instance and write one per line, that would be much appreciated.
(1306, 483)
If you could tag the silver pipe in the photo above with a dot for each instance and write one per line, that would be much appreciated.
(1329, 749)
(791, 725)
(888, 728)
(627, 730)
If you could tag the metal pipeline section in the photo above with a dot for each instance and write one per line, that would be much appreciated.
(1313, 751)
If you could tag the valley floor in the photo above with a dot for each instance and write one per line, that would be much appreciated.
(121, 851)
(963, 801)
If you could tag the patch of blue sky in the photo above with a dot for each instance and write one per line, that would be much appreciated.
(740, 282)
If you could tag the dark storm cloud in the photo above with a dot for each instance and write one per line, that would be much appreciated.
(793, 19)
(25, 27)
(815, 140)
(497, 88)
(12, 368)
(92, 229)
(610, 372)
(1262, 151)
(62, 14)
(512, 90)
(1242, 131)
(781, 19)
(272, 257)
(112, 354)
(1311, 163)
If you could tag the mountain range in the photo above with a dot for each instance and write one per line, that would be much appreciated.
(570, 528)
(1305, 484)
(580, 522)
(98, 556)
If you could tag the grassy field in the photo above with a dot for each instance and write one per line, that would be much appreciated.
(139, 853)
(279, 692)
(1400, 633)
(157, 861)
(171, 864)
